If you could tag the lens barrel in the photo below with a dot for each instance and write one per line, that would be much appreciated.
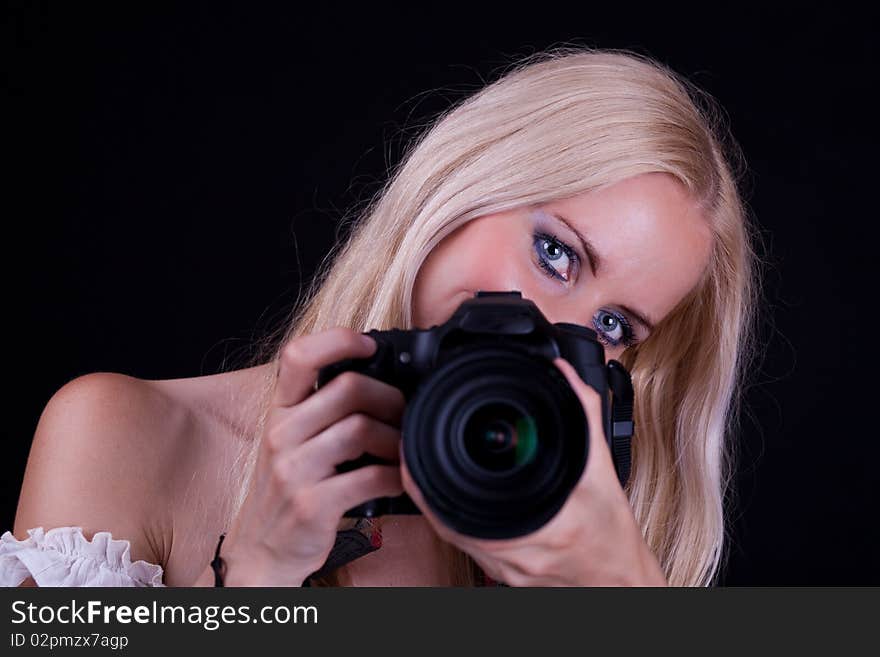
(495, 439)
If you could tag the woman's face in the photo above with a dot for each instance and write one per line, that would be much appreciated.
(647, 241)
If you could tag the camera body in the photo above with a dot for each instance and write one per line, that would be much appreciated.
(493, 435)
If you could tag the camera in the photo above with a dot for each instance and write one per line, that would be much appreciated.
(493, 434)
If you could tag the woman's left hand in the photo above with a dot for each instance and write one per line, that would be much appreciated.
(593, 540)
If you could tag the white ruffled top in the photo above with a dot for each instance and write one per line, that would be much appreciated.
(64, 557)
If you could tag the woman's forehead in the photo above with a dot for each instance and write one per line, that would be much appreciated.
(647, 218)
(650, 234)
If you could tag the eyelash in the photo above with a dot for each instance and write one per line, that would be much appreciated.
(628, 339)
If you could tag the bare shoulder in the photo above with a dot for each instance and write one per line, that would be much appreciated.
(101, 458)
(139, 458)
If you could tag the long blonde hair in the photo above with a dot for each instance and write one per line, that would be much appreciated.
(559, 123)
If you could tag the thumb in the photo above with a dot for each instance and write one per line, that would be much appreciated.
(599, 461)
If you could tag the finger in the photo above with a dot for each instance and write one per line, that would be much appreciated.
(349, 489)
(592, 404)
(348, 393)
(303, 356)
(343, 441)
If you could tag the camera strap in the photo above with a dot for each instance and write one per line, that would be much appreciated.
(360, 538)
(622, 425)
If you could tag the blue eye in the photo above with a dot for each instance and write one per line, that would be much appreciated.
(560, 261)
(555, 257)
(614, 329)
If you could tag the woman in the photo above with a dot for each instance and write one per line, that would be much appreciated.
(596, 182)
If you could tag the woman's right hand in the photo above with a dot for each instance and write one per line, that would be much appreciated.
(287, 524)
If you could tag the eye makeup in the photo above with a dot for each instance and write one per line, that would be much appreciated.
(552, 251)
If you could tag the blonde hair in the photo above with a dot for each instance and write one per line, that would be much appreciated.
(560, 123)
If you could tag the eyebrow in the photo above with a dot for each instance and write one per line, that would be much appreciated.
(592, 255)
(596, 261)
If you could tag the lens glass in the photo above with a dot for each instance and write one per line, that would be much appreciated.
(499, 437)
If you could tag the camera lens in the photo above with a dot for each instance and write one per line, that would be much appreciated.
(495, 439)
(499, 437)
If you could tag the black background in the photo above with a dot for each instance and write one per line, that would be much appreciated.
(174, 174)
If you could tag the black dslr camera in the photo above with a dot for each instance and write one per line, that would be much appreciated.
(493, 435)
